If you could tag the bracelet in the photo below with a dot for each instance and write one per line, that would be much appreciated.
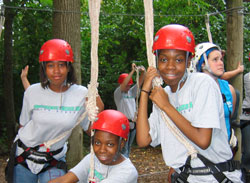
(147, 92)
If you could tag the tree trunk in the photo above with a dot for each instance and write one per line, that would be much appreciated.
(235, 51)
(8, 76)
(66, 25)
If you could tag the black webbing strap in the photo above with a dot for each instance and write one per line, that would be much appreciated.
(210, 169)
(216, 172)
(28, 151)
(9, 170)
(183, 176)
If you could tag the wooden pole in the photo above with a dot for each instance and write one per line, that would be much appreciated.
(235, 52)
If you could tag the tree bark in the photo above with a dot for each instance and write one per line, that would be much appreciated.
(235, 51)
(66, 25)
(8, 74)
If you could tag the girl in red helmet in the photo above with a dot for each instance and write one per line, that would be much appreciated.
(125, 96)
(111, 132)
(49, 109)
(194, 105)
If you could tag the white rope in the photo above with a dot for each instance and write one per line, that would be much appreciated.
(137, 69)
(208, 28)
(149, 27)
(94, 12)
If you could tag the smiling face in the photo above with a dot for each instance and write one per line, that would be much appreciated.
(172, 66)
(56, 72)
(105, 146)
(215, 62)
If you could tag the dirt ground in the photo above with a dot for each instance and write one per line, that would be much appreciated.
(148, 161)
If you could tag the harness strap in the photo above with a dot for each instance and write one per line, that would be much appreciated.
(9, 170)
(54, 163)
(210, 169)
(244, 123)
(218, 175)
(30, 150)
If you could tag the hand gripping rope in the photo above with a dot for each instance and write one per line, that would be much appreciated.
(149, 30)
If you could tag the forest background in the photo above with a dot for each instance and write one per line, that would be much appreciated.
(121, 42)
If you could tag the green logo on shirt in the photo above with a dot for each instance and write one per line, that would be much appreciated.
(62, 108)
(184, 107)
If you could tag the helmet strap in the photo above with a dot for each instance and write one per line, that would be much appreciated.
(183, 79)
(118, 150)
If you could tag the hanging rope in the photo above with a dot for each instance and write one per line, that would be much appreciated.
(149, 27)
(94, 12)
(91, 109)
(137, 69)
(208, 28)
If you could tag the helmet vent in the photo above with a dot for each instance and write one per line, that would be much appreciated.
(123, 126)
(67, 52)
(156, 37)
(188, 39)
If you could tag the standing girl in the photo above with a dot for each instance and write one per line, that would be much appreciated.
(193, 104)
(50, 108)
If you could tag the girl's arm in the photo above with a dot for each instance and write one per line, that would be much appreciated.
(24, 78)
(143, 137)
(200, 136)
(124, 84)
(230, 74)
(67, 178)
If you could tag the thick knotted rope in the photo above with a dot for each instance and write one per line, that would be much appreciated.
(149, 30)
(94, 12)
(137, 69)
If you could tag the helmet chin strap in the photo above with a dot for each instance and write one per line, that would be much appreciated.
(183, 79)
(118, 150)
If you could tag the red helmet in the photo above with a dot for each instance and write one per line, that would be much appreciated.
(112, 121)
(122, 77)
(174, 36)
(56, 50)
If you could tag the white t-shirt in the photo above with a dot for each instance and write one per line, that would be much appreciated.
(125, 101)
(125, 172)
(46, 114)
(246, 101)
(200, 102)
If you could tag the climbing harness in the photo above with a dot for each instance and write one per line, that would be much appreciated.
(28, 154)
(209, 169)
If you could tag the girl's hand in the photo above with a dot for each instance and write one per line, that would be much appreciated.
(150, 75)
(25, 71)
(133, 66)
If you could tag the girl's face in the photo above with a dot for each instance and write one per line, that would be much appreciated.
(56, 72)
(172, 66)
(105, 146)
(215, 62)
